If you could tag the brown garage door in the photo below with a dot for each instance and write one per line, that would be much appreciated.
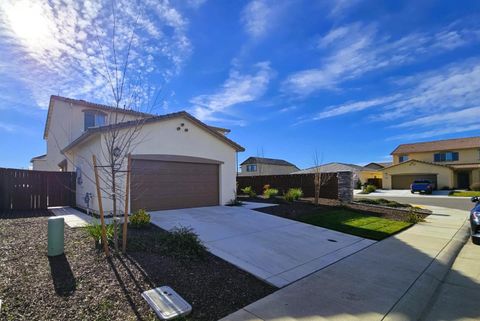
(404, 181)
(162, 185)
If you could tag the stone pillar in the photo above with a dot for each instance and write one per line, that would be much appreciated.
(345, 186)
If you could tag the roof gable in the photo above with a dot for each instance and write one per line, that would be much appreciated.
(417, 161)
(438, 145)
(153, 119)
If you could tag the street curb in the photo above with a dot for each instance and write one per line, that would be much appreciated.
(414, 303)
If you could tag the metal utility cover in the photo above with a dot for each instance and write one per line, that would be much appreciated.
(167, 303)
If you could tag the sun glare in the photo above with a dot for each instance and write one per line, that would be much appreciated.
(29, 23)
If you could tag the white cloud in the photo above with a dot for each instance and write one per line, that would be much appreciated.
(255, 17)
(238, 88)
(353, 50)
(436, 132)
(340, 7)
(448, 98)
(357, 106)
(66, 46)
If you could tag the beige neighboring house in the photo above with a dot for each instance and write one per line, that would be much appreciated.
(450, 163)
(363, 174)
(177, 160)
(254, 166)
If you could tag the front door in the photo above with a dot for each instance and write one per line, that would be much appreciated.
(463, 179)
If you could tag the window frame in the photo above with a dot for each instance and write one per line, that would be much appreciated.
(97, 115)
(251, 168)
(402, 158)
(447, 156)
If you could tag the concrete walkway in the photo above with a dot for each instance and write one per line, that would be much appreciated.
(74, 218)
(389, 280)
(458, 296)
(274, 249)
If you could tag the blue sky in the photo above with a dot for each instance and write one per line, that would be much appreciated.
(349, 79)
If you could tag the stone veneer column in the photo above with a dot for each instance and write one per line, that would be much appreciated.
(345, 186)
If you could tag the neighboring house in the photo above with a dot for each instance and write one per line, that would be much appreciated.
(450, 163)
(254, 166)
(177, 160)
(378, 166)
(361, 174)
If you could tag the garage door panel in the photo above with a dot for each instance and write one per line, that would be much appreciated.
(403, 181)
(159, 185)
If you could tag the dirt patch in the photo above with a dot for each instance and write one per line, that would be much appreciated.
(85, 285)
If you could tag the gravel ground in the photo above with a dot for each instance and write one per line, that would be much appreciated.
(85, 285)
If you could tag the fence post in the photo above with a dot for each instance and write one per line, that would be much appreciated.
(345, 186)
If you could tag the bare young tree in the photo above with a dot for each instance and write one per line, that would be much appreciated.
(317, 181)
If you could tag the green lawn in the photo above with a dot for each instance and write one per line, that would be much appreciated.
(350, 222)
(464, 193)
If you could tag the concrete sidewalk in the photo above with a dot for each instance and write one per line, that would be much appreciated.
(458, 296)
(389, 280)
(75, 219)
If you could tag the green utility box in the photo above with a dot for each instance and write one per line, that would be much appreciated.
(55, 236)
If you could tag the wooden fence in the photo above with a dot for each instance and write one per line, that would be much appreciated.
(35, 190)
(328, 189)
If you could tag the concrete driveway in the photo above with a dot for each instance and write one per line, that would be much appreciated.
(274, 249)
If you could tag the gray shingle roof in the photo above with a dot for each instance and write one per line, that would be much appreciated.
(263, 160)
(332, 168)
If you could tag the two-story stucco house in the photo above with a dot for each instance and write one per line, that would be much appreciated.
(450, 163)
(254, 166)
(177, 160)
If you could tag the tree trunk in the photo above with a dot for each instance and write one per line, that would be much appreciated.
(114, 200)
(317, 187)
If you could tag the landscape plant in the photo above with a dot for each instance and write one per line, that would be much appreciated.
(270, 192)
(249, 191)
(94, 229)
(140, 219)
(293, 194)
(370, 189)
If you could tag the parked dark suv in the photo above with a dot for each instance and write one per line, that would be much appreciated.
(475, 220)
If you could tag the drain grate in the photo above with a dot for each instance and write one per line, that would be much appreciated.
(332, 240)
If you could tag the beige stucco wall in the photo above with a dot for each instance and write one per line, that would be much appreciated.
(268, 169)
(365, 175)
(66, 124)
(464, 156)
(445, 176)
(161, 138)
(41, 165)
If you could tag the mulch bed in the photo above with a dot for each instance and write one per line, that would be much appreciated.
(304, 208)
(84, 285)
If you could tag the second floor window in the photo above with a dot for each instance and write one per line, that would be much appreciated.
(94, 119)
(251, 168)
(445, 157)
(402, 158)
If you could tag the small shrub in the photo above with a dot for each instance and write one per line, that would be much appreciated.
(413, 217)
(293, 194)
(95, 231)
(182, 242)
(234, 202)
(475, 186)
(358, 184)
(140, 219)
(265, 187)
(249, 191)
(370, 189)
(270, 193)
